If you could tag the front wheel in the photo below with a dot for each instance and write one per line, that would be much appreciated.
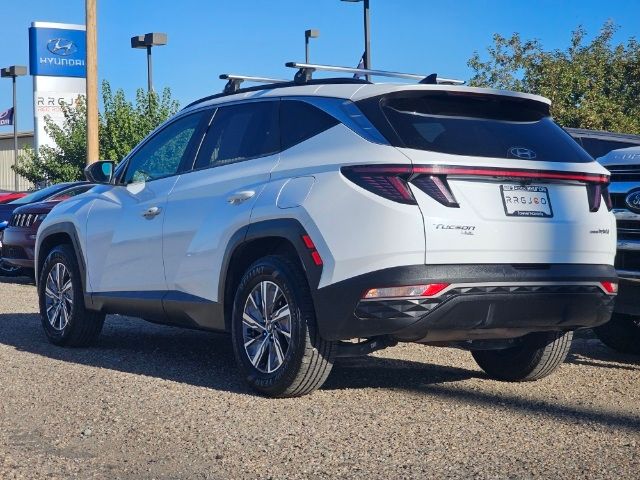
(65, 319)
(535, 357)
(622, 333)
(275, 336)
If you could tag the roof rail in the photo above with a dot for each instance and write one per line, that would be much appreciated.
(233, 85)
(305, 71)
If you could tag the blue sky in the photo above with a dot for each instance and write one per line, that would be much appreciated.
(209, 37)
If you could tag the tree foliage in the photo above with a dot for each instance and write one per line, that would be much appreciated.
(122, 125)
(592, 84)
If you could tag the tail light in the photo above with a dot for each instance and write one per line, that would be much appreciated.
(387, 181)
(606, 196)
(392, 181)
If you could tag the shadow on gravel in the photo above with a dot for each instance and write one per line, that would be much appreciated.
(562, 413)
(587, 350)
(202, 359)
(18, 280)
(375, 372)
(206, 360)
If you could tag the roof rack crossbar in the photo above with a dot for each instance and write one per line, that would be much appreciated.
(305, 72)
(234, 81)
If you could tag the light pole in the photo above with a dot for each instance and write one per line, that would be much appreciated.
(147, 41)
(367, 33)
(14, 71)
(313, 33)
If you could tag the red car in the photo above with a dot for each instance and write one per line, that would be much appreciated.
(9, 197)
(19, 238)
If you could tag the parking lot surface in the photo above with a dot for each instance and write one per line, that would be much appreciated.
(157, 402)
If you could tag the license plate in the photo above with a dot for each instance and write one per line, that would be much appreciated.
(526, 201)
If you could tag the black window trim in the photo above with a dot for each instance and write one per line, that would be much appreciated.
(212, 119)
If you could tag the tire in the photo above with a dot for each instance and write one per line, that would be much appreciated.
(285, 357)
(622, 333)
(8, 270)
(73, 325)
(535, 357)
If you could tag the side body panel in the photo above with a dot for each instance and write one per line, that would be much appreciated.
(201, 221)
(124, 248)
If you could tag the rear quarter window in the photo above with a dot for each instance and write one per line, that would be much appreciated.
(300, 121)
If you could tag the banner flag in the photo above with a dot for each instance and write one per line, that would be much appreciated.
(6, 117)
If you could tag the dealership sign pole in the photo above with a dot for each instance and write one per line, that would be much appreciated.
(57, 62)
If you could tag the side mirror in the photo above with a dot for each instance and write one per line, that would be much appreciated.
(100, 172)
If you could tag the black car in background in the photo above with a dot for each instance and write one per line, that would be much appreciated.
(7, 209)
(598, 143)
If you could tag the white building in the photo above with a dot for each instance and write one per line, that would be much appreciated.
(7, 182)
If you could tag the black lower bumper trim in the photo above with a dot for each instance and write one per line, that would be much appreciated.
(559, 304)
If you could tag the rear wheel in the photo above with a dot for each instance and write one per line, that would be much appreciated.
(65, 319)
(275, 337)
(535, 357)
(622, 333)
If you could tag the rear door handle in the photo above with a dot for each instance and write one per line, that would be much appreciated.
(239, 197)
(151, 212)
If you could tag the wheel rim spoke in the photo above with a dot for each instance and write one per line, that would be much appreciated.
(255, 361)
(58, 296)
(251, 322)
(266, 326)
(278, 350)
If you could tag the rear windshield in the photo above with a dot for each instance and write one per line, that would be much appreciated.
(472, 124)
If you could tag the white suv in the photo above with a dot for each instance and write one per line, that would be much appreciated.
(326, 218)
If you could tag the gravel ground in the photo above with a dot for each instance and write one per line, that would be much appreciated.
(157, 402)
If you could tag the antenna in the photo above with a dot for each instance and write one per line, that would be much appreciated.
(305, 72)
(234, 81)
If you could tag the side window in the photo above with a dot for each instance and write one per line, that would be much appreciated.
(300, 121)
(161, 155)
(240, 132)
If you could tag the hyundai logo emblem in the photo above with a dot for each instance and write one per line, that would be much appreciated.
(62, 47)
(522, 152)
(633, 201)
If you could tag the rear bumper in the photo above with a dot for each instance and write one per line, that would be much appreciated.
(18, 246)
(484, 301)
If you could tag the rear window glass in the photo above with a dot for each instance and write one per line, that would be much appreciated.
(475, 125)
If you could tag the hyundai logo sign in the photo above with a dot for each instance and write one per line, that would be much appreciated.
(61, 47)
(633, 201)
(522, 152)
(57, 52)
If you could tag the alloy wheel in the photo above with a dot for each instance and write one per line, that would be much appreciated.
(59, 296)
(266, 327)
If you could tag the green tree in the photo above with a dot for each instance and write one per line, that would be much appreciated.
(592, 84)
(122, 125)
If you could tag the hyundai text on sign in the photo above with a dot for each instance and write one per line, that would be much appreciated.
(57, 52)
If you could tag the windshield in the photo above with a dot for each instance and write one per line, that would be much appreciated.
(39, 195)
(477, 125)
